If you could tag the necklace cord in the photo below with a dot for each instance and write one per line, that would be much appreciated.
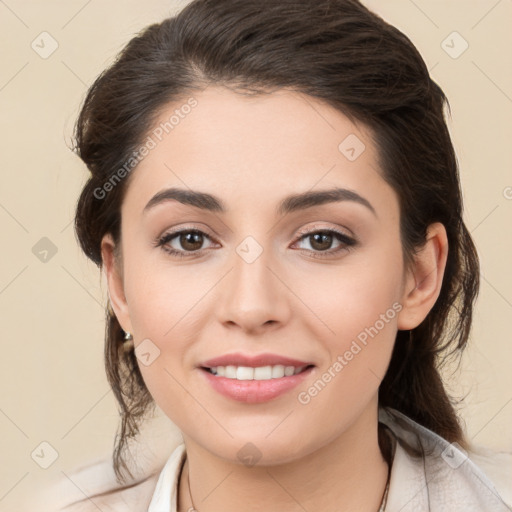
(382, 507)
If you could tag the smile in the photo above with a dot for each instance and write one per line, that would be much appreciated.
(277, 371)
(254, 385)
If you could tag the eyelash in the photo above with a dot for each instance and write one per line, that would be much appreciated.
(347, 243)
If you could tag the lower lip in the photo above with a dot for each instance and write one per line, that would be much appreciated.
(255, 391)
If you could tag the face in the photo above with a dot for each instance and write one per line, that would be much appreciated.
(250, 271)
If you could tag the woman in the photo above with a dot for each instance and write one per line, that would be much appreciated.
(275, 201)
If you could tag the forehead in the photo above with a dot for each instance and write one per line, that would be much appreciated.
(255, 149)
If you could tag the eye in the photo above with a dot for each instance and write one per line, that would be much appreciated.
(188, 243)
(190, 240)
(321, 240)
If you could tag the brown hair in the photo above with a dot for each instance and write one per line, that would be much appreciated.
(334, 50)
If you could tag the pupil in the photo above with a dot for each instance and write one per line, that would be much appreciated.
(191, 240)
(322, 237)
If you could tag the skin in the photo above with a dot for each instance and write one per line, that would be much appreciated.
(251, 152)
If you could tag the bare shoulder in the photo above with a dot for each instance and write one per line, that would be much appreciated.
(93, 488)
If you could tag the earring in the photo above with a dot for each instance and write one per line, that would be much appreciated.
(128, 342)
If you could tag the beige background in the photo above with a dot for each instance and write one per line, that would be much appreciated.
(53, 386)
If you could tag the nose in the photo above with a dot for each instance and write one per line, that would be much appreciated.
(253, 297)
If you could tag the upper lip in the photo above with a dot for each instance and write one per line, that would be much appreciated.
(239, 359)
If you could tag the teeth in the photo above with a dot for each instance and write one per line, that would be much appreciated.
(259, 373)
(244, 373)
(262, 373)
(278, 371)
(230, 372)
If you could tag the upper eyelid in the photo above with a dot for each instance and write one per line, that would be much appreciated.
(311, 229)
(315, 228)
(301, 233)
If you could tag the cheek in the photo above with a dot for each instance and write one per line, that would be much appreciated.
(349, 310)
(358, 306)
(161, 293)
(363, 318)
(166, 303)
(353, 296)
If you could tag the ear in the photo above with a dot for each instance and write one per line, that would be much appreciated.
(114, 276)
(423, 281)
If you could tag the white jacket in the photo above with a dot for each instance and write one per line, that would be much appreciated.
(442, 479)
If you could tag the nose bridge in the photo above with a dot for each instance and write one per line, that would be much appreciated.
(254, 296)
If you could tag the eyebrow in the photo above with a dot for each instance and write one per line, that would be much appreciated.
(290, 204)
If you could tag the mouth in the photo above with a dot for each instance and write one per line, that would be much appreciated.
(268, 372)
(256, 384)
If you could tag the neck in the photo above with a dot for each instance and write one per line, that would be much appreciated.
(348, 472)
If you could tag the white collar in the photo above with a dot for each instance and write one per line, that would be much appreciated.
(441, 480)
(165, 497)
(444, 478)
